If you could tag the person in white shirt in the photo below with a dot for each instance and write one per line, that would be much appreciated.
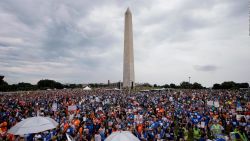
(98, 137)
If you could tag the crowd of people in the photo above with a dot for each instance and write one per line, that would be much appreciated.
(160, 115)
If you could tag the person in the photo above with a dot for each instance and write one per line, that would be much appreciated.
(216, 129)
(185, 133)
(196, 133)
(149, 115)
(239, 135)
(98, 137)
(180, 134)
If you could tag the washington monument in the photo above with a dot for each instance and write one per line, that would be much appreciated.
(128, 60)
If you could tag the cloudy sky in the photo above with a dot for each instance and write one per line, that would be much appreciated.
(81, 41)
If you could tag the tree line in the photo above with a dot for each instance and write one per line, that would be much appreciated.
(41, 85)
(195, 85)
(230, 85)
(52, 84)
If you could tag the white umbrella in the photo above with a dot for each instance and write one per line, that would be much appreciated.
(69, 138)
(122, 136)
(33, 125)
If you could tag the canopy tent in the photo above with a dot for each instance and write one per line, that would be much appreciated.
(122, 136)
(116, 89)
(87, 88)
(33, 125)
(162, 89)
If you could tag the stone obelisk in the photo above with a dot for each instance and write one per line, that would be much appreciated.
(128, 60)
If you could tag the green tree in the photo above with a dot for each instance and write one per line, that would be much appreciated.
(216, 86)
(173, 86)
(2, 82)
(24, 86)
(242, 85)
(197, 86)
(45, 84)
(166, 86)
(185, 85)
(146, 85)
(229, 85)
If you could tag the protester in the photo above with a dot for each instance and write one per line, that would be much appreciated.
(149, 115)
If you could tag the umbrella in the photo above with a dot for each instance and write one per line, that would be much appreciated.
(122, 136)
(33, 125)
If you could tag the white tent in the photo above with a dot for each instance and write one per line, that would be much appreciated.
(122, 136)
(116, 89)
(87, 88)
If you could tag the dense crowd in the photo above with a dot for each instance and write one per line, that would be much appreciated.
(150, 115)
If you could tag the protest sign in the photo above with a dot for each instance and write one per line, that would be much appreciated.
(54, 107)
(202, 124)
(171, 98)
(238, 117)
(97, 99)
(216, 104)
(239, 109)
(72, 108)
(210, 103)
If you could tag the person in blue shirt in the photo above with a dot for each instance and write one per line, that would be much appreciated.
(235, 123)
(150, 134)
(90, 126)
(207, 119)
(195, 120)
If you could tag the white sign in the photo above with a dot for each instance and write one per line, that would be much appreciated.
(107, 101)
(97, 99)
(72, 108)
(202, 124)
(216, 104)
(71, 117)
(238, 117)
(54, 107)
(171, 98)
(210, 103)
(239, 109)
(140, 119)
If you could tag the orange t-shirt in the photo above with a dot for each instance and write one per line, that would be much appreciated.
(66, 126)
(77, 122)
(3, 126)
(140, 128)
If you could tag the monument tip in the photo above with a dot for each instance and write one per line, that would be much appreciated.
(128, 10)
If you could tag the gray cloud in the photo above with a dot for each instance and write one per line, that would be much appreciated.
(82, 41)
(205, 67)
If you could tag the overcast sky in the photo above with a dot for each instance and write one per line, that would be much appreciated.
(81, 41)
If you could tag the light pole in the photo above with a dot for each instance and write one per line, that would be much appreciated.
(189, 82)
